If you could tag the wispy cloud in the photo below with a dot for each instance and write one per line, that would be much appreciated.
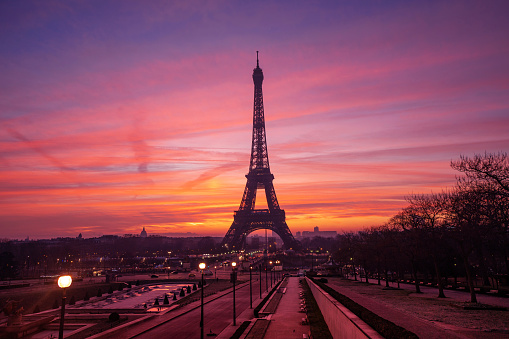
(118, 117)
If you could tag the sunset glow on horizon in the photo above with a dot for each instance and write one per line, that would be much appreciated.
(121, 115)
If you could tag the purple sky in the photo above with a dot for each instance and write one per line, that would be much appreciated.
(118, 115)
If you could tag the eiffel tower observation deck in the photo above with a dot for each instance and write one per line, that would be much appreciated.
(247, 218)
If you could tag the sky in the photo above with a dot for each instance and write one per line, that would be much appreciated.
(118, 115)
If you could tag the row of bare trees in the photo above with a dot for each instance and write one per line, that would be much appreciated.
(445, 234)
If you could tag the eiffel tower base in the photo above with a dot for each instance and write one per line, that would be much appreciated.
(245, 222)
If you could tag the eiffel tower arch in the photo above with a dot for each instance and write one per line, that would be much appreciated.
(247, 218)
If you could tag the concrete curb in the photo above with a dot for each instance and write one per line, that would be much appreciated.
(341, 321)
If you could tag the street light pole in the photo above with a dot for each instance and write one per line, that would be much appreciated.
(260, 269)
(63, 282)
(202, 267)
(266, 278)
(250, 287)
(234, 278)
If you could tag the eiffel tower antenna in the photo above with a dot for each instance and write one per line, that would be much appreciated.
(247, 218)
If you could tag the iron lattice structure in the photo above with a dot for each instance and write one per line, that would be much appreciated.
(248, 219)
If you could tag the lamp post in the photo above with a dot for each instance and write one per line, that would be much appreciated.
(63, 282)
(234, 264)
(266, 278)
(250, 287)
(260, 269)
(271, 273)
(202, 267)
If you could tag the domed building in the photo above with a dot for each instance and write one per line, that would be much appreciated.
(143, 233)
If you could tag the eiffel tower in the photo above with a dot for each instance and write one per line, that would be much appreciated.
(248, 219)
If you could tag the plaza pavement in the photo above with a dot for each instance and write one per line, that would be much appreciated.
(285, 323)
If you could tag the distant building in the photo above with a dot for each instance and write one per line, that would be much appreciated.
(316, 233)
(255, 242)
(143, 233)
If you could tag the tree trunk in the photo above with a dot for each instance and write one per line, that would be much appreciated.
(414, 274)
(482, 266)
(386, 277)
(378, 273)
(473, 297)
(439, 279)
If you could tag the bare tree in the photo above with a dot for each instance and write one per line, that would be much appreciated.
(429, 212)
(467, 223)
(406, 222)
(480, 169)
(488, 175)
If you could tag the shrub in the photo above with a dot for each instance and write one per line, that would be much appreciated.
(87, 297)
(240, 330)
(114, 316)
(55, 304)
(72, 301)
(166, 301)
(99, 293)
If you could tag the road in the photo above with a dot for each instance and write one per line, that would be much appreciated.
(218, 314)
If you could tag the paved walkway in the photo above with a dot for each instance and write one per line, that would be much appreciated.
(421, 327)
(247, 315)
(287, 321)
(284, 323)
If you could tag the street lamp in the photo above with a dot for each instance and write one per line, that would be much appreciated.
(250, 287)
(266, 278)
(260, 267)
(202, 267)
(63, 282)
(234, 277)
(271, 273)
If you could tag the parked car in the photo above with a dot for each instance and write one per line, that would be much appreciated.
(191, 275)
(154, 276)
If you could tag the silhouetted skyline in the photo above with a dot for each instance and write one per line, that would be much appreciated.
(116, 116)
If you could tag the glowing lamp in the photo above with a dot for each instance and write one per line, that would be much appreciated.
(234, 264)
(202, 266)
(64, 281)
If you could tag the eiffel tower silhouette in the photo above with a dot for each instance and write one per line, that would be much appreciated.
(248, 219)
